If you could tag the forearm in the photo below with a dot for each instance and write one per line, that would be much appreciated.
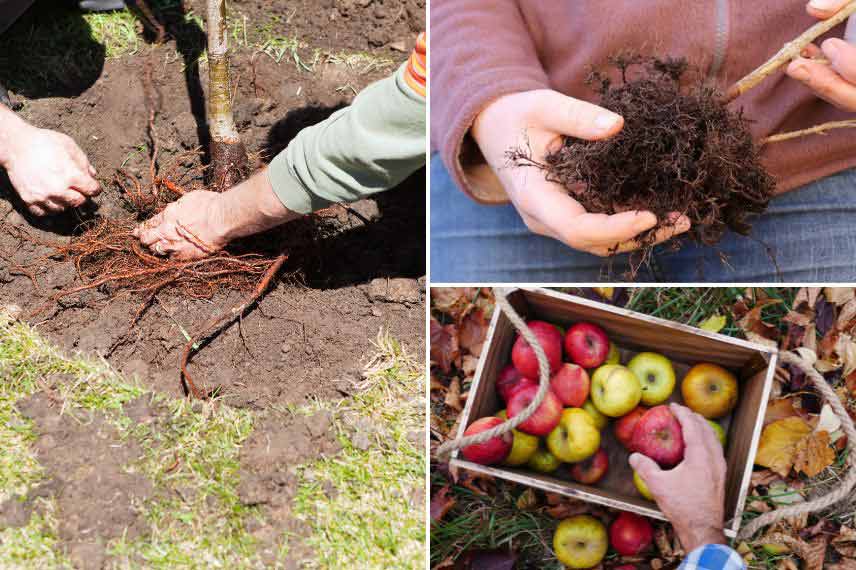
(693, 537)
(252, 207)
(368, 147)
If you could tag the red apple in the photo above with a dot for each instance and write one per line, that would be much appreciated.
(592, 469)
(494, 450)
(545, 418)
(658, 435)
(624, 426)
(510, 380)
(625, 567)
(523, 355)
(631, 534)
(571, 385)
(586, 344)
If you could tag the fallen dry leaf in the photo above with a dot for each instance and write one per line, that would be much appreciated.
(755, 328)
(838, 295)
(487, 560)
(845, 542)
(844, 564)
(441, 503)
(469, 363)
(781, 409)
(568, 508)
(444, 345)
(807, 295)
(527, 500)
(453, 395)
(454, 301)
(812, 553)
(778, 444)
(472, 332)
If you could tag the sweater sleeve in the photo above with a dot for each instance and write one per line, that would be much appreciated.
(713, 557)
(368, 147)
(486, 51)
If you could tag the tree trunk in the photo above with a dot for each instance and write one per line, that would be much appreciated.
(228, 154)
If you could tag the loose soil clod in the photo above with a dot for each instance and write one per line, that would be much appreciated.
(681, 150)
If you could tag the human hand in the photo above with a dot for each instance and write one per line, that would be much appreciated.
(192, 227)
(539, 119)
(834, 82)
(47, 169)
(692, 495)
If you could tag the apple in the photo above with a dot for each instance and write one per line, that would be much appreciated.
(580, 541)
(615, 390)
(591, 470)
(586, 344)
(600, 420)
(494, 450)
(510, 380)
(720, 433)
(575, 438)
(624, 426)
(523, 355)
(571, 385)
(656, 375)
(543, 461)
(625, 567)
(658, 435)
(523, 445)
(642, 487)
(613, 356)
(545, 418)
(710, 390)
(631, 534)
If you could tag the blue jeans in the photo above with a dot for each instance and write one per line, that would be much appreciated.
(810, 233)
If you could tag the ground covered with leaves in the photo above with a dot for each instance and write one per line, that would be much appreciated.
(480, 522)
(97, 471)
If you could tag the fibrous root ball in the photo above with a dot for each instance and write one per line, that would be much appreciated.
(681, 150)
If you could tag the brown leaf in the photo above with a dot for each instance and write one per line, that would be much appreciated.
(478, 483)
(441, 503)
(786, 564)
(472, 332)
(799, 319)
(437, 384)
(661, 539)
(807, 295)
(813, 454)
(757, 329)
(845, 542)
(838, 295)
(812, 553)
(454, 301)
(758, 507)
(780, 409)
(527, 500)
(844, 564)
(568, 508)
(444, 345)
(487, 560)
(469, 363)
(453, 395)
(778, 444)
(764, 477)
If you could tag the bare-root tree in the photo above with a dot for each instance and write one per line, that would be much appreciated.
(227, 151)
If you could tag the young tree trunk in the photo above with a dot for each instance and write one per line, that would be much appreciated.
(228, 154)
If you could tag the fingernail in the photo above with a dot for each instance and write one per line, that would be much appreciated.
(800, 72)
(825, 4)
(605, 122)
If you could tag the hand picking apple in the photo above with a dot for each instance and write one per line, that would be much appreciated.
(692, 495)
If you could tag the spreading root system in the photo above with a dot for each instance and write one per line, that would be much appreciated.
(681, 150)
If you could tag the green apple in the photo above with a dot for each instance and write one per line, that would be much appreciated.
(580, 541)
(600, 420)
(615, 390)
(613, 356)
(543, 461)
(575, 438)
(642, 487)
(656, 374)
(523, 445)
(720, 433)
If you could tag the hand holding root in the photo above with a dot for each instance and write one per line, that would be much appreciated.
(538, 120)
(192, 227)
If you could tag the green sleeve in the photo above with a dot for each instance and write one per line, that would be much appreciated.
(368, 147)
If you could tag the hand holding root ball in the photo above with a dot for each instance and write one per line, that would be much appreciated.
(537, 120)
(700, 476)
(835, 81)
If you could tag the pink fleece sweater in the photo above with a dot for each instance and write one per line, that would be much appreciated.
(483, 49)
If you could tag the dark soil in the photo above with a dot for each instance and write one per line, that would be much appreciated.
(311, 332)
(681, 150)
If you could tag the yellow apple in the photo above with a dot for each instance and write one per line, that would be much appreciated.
(720, 433)
(656, 374)
(523, 445)
(613, 356)
(642, 487)
(600, 420)
(543, 461)
(615, 390)
(580, 541)
(710, 390)
(575, 438)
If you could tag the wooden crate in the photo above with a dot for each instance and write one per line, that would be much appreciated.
(753, 364)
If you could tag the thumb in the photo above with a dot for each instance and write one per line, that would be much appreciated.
(577, 118)
(825, 9)
(646, 467)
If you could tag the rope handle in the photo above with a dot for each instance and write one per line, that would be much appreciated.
(543, 384)
(843, 491)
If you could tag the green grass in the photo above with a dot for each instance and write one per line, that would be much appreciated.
(372, 513)
(191, 455)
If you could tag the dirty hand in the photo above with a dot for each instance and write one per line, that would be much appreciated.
(834, 82)
(46, 168)
(537, 120)
(192, 227)
(692, 495)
